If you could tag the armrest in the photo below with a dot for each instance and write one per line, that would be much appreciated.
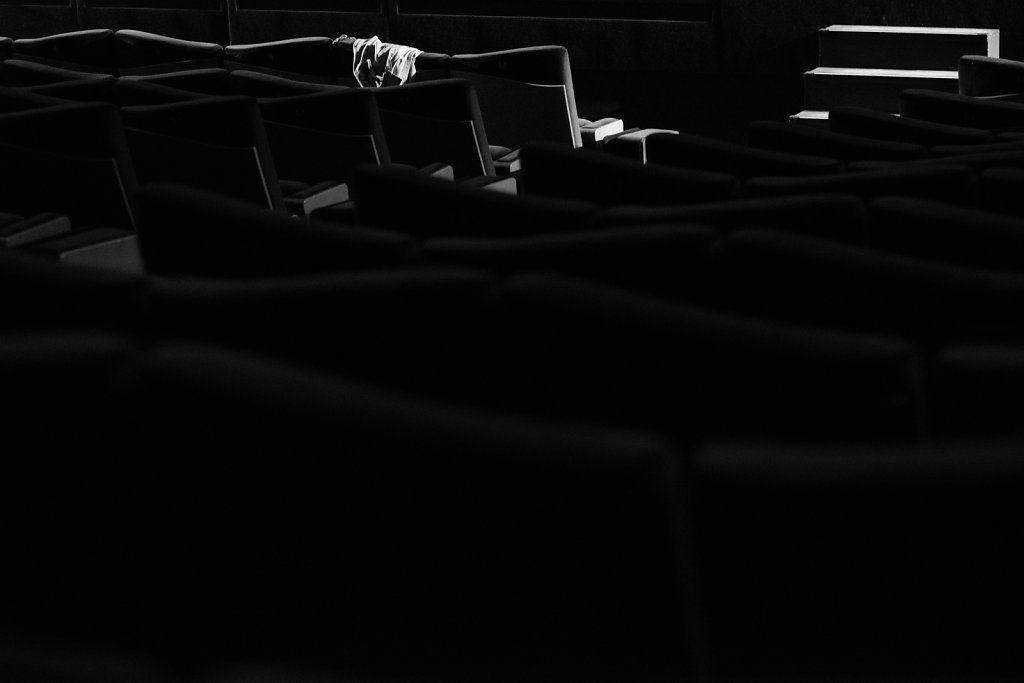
(16, 231)
(633, 143)
(319, 196)
(502, 184)
(508, 164)
(594, 132)
(438, 170)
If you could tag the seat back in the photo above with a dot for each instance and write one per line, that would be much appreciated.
(86, 50)
(311, 58)
(525, 94)
(72, 159)
(984, 76)
(324, 136)
(217, 143)
(145, 52)
(436, 122)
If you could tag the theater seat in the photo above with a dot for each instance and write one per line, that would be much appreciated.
(833, 216)
(985, 76)
(525, 94)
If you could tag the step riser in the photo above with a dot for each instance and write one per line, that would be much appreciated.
(825, 92)
(933, 51)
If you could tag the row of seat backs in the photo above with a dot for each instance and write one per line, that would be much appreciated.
(429, 537)
(287, 516)
(226, 143)
(540, 75)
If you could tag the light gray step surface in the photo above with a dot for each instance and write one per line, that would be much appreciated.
(903, 47)
(828, 87)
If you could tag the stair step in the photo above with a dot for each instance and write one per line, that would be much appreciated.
(828, 87)
(903, 47)
(810, 117)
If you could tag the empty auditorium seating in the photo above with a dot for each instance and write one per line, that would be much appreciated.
(295, 396)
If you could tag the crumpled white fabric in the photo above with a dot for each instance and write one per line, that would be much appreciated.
(376, 63)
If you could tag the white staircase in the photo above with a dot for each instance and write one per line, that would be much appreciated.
(869, 66)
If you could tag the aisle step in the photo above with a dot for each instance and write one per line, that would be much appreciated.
(903, 47)
(827, 87)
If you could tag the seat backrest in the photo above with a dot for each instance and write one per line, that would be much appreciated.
(945, 182)
(324, 136)
(72, 159)
(525, 93)
(19, 72)
(310, 58)
(436, 122)
(120, 92)
(216, 143)
(699, 152)
(882, 125)
(955, 234)
(145, 52)
(609, 354)
(984, 76)
(834, 216)
(669, 260)
(86, 50)
(961, 110)
(783, 137)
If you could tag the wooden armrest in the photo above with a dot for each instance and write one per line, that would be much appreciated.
(16, 231)
(594, 132)
(502, 184)
(319, 196)
(508, 164)
(633, 143)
